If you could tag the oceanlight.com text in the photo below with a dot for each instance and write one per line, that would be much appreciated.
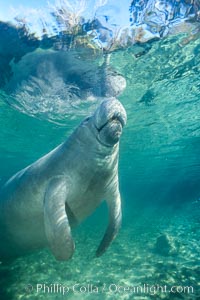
(112, 288)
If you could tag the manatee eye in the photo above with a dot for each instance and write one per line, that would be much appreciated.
(87, 119)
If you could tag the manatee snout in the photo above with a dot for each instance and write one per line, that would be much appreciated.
(109, 120)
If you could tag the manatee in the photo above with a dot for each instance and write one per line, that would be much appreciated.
(63, 79)
(41, 204)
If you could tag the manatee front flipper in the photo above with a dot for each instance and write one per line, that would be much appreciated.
(56, 222)
(115, 216)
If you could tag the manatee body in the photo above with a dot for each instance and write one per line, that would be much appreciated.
(40, 204)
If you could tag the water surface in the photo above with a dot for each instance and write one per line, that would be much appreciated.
(51, 78)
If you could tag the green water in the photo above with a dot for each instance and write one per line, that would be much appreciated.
(159, 182)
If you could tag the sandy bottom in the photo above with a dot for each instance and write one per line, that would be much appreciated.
(132, 268)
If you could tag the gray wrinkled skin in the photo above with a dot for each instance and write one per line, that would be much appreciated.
(40, 204)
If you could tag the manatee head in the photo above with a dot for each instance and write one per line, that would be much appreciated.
(109, 120)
